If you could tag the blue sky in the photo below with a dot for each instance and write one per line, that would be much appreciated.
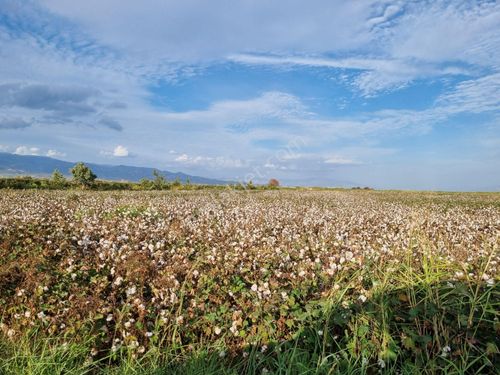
(388, 94)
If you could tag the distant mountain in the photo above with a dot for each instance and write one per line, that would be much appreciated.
(19, 165)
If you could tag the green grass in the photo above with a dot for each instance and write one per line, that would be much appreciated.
(409, 320)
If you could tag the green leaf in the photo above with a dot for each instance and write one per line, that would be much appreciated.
(491, 348)
(363, 330)
(408, 343)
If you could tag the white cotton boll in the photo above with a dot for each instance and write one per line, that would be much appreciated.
(131, 290)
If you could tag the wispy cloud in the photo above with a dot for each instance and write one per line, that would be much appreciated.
(475, 95)
(376, 74)
(278, 105)
(409, 42)
(448, 31)
(193, 26)
(272, 114)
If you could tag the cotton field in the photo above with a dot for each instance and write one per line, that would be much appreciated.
(136, 270)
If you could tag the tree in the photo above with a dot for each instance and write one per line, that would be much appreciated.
(160, 182)
(273, 183)
(177, 183)
(57, 179)
(83, 175)
(146, 184)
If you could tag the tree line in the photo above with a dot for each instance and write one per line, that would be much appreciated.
(84, 178)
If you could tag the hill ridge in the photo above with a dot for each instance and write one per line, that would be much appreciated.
(33, 165)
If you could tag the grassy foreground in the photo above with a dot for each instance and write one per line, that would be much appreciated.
(269, 282)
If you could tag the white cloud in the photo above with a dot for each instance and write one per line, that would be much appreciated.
(25, 150)
(182, 158)
(213, 162)
(285, 117)
(409, 42)
(390, 42)
(447, 31)
(476, 95)
(433, 32)
(120, 151)
(55, 154)
(36, 151)
(277, 105)
(382, 65)
(389, 12)
(209, 31)
(350, 63)
(339, 160)
(269, 165)
(4, 148)
(376, 74)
